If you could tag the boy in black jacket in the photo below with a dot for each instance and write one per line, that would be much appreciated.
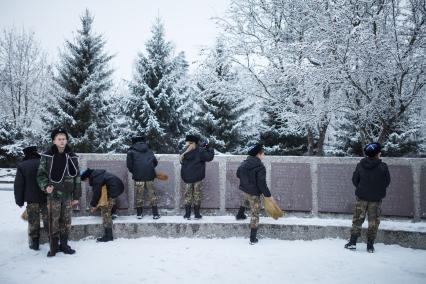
(371, 178)
(141, 162)
(115, 187)
(193, 171)
(252, 175)
(26, 189)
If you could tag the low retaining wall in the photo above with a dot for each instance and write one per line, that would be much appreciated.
(304, 184)
(225, 229)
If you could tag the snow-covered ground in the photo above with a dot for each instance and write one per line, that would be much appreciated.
(7, 175)
(158, 260)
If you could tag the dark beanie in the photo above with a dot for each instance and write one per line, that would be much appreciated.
(57, 131)
(372, 149)
(255, 149)
(30, 150)
(137, 139)
(86, 173)
(192, 138)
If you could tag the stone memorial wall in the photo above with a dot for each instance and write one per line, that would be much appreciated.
(302, 184)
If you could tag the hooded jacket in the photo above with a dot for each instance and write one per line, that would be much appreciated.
(371, 179)
(26, 188)
(141, 162)
(66, 174)
(193, 163)
(252, 175)
(99, 178)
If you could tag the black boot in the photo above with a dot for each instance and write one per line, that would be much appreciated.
(187, 212)
(139, 212)
(34, 245)
(253, 239)
(106, 237)
(155, 214)
(197, 214)
(54, 247)
(240, 215)
(64, 247)
(370, 246)
(352, 243)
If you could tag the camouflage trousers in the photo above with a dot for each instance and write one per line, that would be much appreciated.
(60, 212)
(254, 203)
(193, 193)
(106, 213)
(35, 211)
(373, 211)
(140, 189)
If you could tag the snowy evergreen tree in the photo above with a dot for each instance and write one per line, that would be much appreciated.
(82, 84)
(222, 105)
(157, 94)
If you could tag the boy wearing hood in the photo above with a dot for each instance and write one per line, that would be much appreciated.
(371, 179)
(58, 175)
(114, 186)
(193, 171)
(141, 162)
(252, 175)
(26, 189)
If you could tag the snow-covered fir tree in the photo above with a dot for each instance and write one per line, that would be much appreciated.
(221, 103)
(157, 93)
(82, 83)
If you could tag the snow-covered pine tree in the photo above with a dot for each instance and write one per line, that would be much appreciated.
(157, 93)
(222, 106)
(82, 84)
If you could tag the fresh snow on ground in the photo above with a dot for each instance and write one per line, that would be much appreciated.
(7, 175)
(159, 260)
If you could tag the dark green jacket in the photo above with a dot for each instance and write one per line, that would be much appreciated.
(69, 186)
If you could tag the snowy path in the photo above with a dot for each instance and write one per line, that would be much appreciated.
(156, 260)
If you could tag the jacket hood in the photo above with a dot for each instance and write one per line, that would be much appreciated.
(370, 163)
(95, 174)
(251, 163)
(140, 147)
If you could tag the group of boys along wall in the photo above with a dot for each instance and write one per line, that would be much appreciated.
(303, 184)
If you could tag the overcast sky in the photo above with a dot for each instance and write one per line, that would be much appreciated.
(125, 24)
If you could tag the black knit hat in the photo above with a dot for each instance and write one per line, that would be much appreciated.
(136, 139)
(372, 149)
(30, 150)
(192, 138)
(57, 131)
(86, 173)
(255, 149)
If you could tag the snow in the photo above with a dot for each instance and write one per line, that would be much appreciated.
(7, 175)
(233, 260)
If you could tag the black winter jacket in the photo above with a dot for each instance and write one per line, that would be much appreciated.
(252, 175)
(371, 178)
(99, 178)
(26, 188)
(141, 162)
(194, 164)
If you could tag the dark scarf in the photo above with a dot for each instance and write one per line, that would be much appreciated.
(59, 164)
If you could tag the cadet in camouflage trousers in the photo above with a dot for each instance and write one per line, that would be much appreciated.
(59, 176)
(140, 187)
(371, 179)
